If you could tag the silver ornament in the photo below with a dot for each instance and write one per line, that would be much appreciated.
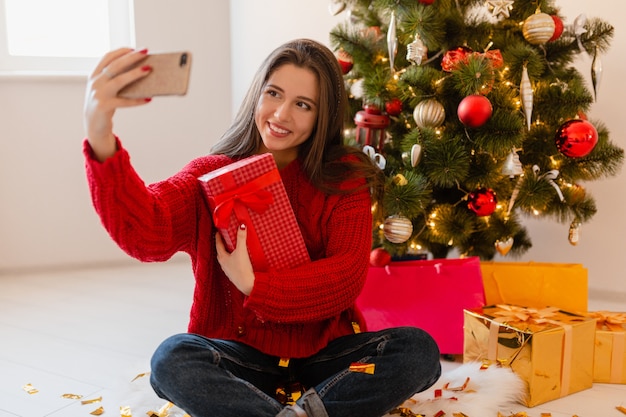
(336, 7)
(416, 51)
(512, 166)
(416, 154)
(526, 92)
(596, 72)
(504, 246)
(574, 232)
(429, 113)
(500, 7)
(392, 41)
(397, 228)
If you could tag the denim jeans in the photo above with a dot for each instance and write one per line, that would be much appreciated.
(219, 378)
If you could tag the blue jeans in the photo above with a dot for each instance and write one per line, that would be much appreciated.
(219, 378)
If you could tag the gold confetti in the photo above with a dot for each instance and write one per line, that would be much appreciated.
(93, 400)
(125, 411)
(140, 376)
(366, 368)
(621, 408)
(30, 389)
(97, 411)
(546, 414)
(459, 415)
(283, 362)
(163, 411)
(461, 388)
(72, 396)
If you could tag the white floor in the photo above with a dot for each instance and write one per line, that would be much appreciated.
(90, 332)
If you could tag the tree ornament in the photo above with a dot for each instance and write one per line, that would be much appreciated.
(526, 92)
(397, 228)
(574, 232)
(427, 2)
(393, 107)
(416, 154)
(576, 138)
(336, 7)
(500, 8)
(512, 166)
(538, 28)
(578, 29)
(379, 258)
(558, 28)
(416, 51)
(452, 58)
(504, 246)
(482, 201)
(345, 61)
(596, 72)
(429, 113)
(400, 180)
(550, 177)
(474, 110)
(369, 124)
(378, 159)
(392, 41)
(356, 89)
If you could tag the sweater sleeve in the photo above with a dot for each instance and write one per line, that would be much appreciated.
(149, 222)
(327, 286)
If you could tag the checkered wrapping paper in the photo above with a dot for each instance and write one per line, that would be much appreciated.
(279, 237)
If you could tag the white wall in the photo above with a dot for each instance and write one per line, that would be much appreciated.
(46, 217)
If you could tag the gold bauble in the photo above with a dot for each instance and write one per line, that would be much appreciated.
(397, 228)
(538, 28)
(429, 113)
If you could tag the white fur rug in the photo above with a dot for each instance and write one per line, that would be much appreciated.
(466, 389)
(470, 391)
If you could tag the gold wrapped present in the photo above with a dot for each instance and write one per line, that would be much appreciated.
(550, 349)
(535, 284)
(609, 360)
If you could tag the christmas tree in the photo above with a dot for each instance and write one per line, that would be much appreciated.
(477, 116)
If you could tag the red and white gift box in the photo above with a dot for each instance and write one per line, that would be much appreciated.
(251, 192)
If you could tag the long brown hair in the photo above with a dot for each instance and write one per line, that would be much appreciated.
(323, 155)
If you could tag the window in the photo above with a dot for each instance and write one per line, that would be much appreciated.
(61, 35)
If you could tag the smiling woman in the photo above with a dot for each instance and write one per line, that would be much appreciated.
(64, 35)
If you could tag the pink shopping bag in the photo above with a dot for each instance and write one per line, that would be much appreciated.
(428, 294)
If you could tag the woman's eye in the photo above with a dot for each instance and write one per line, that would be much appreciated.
(304, 105)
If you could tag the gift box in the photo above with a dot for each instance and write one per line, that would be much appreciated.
(550, 349)
(609, 360)
(251, 191)
(429, 294)
(535, 284)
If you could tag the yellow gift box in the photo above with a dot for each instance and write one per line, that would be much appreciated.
(609, 360)
(535, 284)
(550, 349)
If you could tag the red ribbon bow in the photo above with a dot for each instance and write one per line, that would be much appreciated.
(257, 200)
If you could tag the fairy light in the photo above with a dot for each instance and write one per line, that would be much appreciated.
(535, 211)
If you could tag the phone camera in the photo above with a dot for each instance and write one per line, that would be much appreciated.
(183, 60)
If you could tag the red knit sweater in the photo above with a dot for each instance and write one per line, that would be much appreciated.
(290, 313)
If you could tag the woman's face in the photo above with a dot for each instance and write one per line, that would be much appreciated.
(286, 112)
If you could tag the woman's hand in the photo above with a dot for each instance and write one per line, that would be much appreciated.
(236, 264)
(101, 100)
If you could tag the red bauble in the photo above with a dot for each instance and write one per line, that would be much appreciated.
(393, 106)
(345, 61)
(558, 28)
(426, 1)
(482, 201)
(474, 110)
(576, 138)
(379, 257)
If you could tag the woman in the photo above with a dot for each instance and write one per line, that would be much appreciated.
(252, 333)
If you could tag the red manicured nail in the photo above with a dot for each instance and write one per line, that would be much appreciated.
(242, 227)
(144, 51)
(146, 68)
(147, 99)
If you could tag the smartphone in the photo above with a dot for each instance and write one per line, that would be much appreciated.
(169, 76)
